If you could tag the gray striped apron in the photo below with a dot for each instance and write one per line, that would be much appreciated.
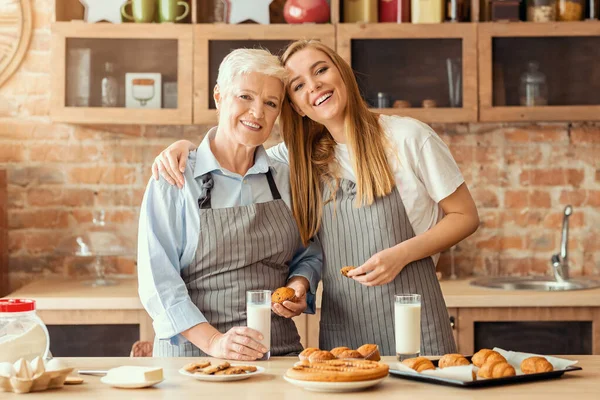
(239, 249)
(353, 314)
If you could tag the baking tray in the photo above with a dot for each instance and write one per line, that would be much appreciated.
(484, 382)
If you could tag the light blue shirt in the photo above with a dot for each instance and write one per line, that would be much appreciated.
(169, 229)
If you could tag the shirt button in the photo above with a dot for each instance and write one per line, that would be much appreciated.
(245, 181)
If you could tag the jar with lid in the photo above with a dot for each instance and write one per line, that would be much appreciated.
(570, 10)
(22, 332)
(110, 86)
(427, 11)
(533, 90)
(541, 10)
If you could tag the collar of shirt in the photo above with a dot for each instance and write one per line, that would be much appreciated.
(207, 162)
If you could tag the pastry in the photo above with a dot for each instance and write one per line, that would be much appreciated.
(320, 355)
(307, 352)
(338, 350)
(350, 354)
(496, 369)
(283, 294)
(73, 380)
(345, 270)
(485, 355)
(369, 352)
(452, 360)
(535, 365)
(338, 371)
(419, 364)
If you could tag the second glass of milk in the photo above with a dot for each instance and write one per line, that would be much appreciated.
(407, 321)
(258, 310)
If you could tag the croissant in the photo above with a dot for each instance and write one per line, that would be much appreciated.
(496, 369)
(452, 360)
(535, 365)
(485, 355)
(419, 364)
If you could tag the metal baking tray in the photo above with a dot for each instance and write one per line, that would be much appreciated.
(483, 382)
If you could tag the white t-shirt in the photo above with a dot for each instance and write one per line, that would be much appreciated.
(424, 170)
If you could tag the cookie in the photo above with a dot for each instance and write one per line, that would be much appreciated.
(215, 368)
(283, 294)
(345, 270)
(192, 367)
(231, 371)
(73, 380)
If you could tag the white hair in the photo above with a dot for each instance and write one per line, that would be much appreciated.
(246, 61)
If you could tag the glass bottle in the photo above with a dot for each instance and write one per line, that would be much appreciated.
(570, 10)
(110, 86)
(533, 90)
(427, 11)
(541, 10)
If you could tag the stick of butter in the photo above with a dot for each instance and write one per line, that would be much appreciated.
(135, 374)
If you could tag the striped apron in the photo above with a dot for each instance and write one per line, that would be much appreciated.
(239, 249)
(353, 314)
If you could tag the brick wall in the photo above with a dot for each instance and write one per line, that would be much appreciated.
(521, 177)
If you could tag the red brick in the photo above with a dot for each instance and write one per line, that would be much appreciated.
(107, 132)
(65, 153)
(29, 85)
(545, 241)
(37, 61)
(523, 217)
(485, 198)
(23, 130)
(554, 220)
(16, 198)
(37, 105)
(527, 198)
(463, 155)
(492, 176)
(514, 266)
(34, 176)
(580, 197)
(585, 134)
(60, 196)
(32, 242)
(598, 175)
(42, 219)
(590, 241)
(537, 133)
(539, 266)
(40, 40)
(552, 177)
(489, 219)
(119, 197)
(113, 175)
(487, 155)
(125, 266)
(502, 243)
(522, 155)
(12, 152)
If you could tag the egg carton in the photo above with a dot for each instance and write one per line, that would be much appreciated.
(24, 377)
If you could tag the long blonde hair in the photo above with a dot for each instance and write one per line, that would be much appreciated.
(311, 149)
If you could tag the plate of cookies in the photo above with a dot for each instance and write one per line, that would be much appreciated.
(223, 371)
(339, 370)
(487, 367)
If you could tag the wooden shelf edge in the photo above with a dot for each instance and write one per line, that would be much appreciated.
(119, 116)
(80, 29)
(432, 115)
(533, 114)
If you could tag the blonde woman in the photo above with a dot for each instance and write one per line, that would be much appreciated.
(230, 230)
(382, 193)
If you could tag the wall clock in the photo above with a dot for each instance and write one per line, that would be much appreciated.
(15, 34)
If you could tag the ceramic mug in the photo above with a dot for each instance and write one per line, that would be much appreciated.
(143, 10)
(167, 10)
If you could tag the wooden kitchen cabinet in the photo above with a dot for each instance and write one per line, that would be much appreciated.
(213, 42)
(153, 48)
(565, 330)
(567, 53)
(414, 63)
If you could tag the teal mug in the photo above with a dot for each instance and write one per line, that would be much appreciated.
(167, 10)
(142, 10)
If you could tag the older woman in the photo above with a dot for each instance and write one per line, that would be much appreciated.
(228, 231)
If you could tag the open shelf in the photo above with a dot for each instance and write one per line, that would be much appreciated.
(568, 54)
(73, 10)
(410, 63)
(213, 42)
(80, 51)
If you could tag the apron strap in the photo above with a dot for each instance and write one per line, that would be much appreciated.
(274, 191)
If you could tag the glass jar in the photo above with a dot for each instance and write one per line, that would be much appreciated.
(110, 86)
(533, 90)
(570, 10)
(541, 10)
(22, 332)
(427, 11)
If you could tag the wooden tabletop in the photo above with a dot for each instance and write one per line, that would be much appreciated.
(578, 385)
(60, 294)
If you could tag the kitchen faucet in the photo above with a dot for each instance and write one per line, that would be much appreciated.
(560, 262)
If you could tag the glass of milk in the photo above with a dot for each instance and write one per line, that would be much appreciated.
(407, 310)
(258, 310)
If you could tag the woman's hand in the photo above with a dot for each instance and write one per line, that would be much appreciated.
(239, 343)
(381, 268)
(171, 162)
(289, 309)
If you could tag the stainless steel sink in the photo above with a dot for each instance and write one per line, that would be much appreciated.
(535, 283)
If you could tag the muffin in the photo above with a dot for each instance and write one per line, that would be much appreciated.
(338, 350)
(369, 352)
(283, 294)
(306, 353)
(350, 354)
(320, 355)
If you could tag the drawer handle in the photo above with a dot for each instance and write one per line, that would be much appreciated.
(453, 322)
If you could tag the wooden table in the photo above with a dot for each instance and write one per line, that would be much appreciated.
(577, 385)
